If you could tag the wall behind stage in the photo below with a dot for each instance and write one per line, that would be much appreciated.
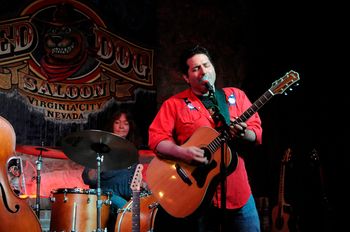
(151, 25)
(66, 66)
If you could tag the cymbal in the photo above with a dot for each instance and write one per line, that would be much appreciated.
(84, 147)
(145, 156)
(47, 152)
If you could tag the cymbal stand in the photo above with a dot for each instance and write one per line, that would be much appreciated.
(38, 180)
(99, 159)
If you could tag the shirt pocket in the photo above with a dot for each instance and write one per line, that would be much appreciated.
(189, 116)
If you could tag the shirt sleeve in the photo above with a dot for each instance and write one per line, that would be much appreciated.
(241, 104)
(87, 180)
(163, 124)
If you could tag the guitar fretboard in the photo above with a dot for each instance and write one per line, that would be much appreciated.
(216, 143)
(255, 107)
(135, 211)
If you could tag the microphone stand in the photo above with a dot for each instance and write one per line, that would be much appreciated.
(223, 184)
(220, 117)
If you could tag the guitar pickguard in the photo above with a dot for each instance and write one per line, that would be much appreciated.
(201, 172)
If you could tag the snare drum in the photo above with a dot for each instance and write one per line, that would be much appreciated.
(148, 209)
(75, 210)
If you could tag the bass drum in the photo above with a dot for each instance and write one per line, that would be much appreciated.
(148, 211)
(75, 210)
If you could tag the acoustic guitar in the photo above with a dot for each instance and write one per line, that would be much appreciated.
(180, 188)
(280, 217)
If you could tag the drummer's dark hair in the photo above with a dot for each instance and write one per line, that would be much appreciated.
(132, 127)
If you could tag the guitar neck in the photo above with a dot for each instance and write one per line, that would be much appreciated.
(286, 158)
(135, 211)
(260, 102)
(278, 87)
(281, 187)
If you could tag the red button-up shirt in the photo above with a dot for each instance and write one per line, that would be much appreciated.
(178, 119)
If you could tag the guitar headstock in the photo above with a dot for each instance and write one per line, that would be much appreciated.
(287, 155)
(285, 82)
(137, 178)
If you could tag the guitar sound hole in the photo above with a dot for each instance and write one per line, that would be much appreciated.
(200, 173)
(207, 153)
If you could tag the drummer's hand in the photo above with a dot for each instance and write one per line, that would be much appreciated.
(92, 174)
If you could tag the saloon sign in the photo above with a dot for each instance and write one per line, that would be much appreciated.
(62, 60)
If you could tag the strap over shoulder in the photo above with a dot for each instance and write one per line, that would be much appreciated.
(222, 104)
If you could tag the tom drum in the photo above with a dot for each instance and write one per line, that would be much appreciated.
(75, 210)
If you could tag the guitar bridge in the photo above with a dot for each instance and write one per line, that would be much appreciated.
(183, 174)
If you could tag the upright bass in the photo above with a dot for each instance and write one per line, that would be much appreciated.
(15, 213)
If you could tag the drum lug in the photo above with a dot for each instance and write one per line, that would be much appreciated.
(65, 198)
(107, 202)
(153, 205)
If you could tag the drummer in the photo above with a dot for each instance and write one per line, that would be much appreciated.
(116, 182)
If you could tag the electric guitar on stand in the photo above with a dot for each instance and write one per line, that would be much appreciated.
(135, 187)
(181, 188)
(280, 217)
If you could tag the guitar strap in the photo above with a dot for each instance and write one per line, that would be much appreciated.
(224, 111)
(217, 107)
(222, 105)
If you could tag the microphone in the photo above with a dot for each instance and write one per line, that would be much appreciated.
(210, 88)
(207, 84)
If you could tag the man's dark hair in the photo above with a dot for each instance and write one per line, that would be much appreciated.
(188, 53)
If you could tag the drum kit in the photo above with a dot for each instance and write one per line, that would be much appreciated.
(93, 149)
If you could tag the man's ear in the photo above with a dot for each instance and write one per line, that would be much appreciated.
(185, 77)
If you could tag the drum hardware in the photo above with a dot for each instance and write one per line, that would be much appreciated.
(99, 160)
(75, 210)
(53, 199)
(74, 217)
(41, 152)
(102, 151)
(38, 180)
(46, 152)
